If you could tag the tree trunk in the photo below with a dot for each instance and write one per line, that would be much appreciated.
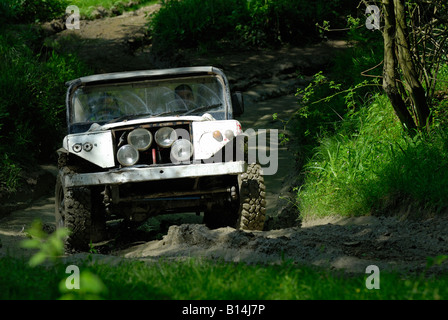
(413, 84)
(389, 71)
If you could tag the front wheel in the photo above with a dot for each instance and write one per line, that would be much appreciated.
(76, 210)
(248, 211)
(252, 199)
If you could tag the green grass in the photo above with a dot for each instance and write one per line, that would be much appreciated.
(356, 157)
(203, 280)
(376, 168)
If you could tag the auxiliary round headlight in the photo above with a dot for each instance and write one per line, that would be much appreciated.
(127, 155)
(165, 137)
(140, 138)
(181, 150)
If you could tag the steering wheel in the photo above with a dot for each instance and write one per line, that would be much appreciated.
(113, 110)
(143, 104)
(179, 104)
(106, 114)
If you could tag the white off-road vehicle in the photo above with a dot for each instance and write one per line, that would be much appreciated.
(145, 143)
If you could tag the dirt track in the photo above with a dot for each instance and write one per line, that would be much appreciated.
(268, 80)
(349, 244)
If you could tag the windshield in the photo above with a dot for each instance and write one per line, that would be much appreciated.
(117, 102)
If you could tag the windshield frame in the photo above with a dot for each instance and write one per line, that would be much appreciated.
(137, 77)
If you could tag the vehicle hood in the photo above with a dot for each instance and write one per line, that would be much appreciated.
(205, 117)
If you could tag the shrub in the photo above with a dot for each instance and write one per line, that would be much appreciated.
(25, 11)
(32, 102)
(189, 23)
(193, 23)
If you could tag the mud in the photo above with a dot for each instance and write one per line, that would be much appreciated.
(349, 244)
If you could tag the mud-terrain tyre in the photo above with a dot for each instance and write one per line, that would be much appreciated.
(76, 210)
(252, 199)
(248, 212)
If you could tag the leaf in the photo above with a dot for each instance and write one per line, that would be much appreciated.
(30, 244)
(436, 261)
(36, 230)
(37, 259)
(91, 283)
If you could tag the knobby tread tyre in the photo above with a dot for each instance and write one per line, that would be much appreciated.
(252, 198)
(78, 218)
(75, 208)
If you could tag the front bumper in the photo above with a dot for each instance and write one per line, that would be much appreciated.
(133, 174)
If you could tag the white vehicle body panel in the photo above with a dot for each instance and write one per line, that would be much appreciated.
(136, 174)
(102, 151)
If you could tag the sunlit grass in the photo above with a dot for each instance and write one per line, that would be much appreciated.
(376, 167)
(86, 7)
(206, 280)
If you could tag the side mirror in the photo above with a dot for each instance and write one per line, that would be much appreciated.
(237, 103)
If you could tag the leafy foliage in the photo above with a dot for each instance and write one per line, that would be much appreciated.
(357, 158)
(186, 24)
(32, 100)
(49, 246)
(91, 287)
(114, 7)
(196, 23)
(25, 11)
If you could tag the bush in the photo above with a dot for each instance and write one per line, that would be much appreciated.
(25, 11)
(189, 23)
(272, 22)
(32, 102)
(193, 23)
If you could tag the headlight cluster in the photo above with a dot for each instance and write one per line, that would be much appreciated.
(141, 139)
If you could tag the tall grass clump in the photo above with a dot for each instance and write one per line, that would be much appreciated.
(376, 167)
